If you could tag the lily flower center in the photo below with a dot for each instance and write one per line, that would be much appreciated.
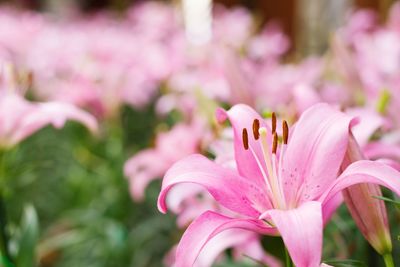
(270, 165)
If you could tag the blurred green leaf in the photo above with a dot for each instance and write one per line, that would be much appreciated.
(231, 263)
(29, 237)
(345, 263)
(397, 203)
(383, 101)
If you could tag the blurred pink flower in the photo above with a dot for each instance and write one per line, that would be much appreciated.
(20, 118)
(150, 164)
(280, 188)
(366, 59)
(232, 27)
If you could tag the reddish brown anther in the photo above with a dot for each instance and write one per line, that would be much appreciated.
(29, 79)
(285, 129)
(275, 143)
(245, 138)
(273, 122)
(256, 127)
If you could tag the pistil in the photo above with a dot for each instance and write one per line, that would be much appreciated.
(271, 163)
(271, 167)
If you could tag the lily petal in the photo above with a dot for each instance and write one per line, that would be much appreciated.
(54, 113)
(301, 230)
(379, 150)
(242, 116)
(314, 153)
(369, 122)
(229, 189)
(219, 243)
(142, 169)
(206, 227)
(331, 206)
(58, 112)
(254, 250)
(364, 171)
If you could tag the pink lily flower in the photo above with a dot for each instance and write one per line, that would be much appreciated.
(20, 118)
(189, 201)
(287, 189)
(244, 245)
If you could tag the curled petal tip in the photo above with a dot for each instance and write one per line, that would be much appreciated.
(221, 115)
(161, 206)
(354, 121)
(264, 215)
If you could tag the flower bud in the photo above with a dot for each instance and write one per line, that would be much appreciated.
(368, 212)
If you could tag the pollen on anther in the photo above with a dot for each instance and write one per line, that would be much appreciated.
(285, 131)
(256, 127)
(245, 138)
(273, 122)
(275, 143)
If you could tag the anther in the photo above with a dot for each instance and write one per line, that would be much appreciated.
(256, 127)
(285, 129)
(29, 79)
(273, 122)
(275, 143)
(245, 138)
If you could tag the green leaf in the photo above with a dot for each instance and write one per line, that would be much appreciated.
(397, 203)
(29, 237)
(235, 264)
(383, 101)
(346, 263)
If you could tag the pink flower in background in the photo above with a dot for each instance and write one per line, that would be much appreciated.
(277, 189)
(20, 118)
(150, 164)
(268, 45)
(232, 27)
(98, 62)
(366, 61)
(17, 30)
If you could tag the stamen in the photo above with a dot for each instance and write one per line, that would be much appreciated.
(273, 122)
(275, 143)
(265, 176)
(271, 166)
(256, 127)
(265, 149)
(285, 129)
(245, 138)
(29, 79)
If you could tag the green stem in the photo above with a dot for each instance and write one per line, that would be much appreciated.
(388, 260)
(288, 260)
(4, 249)
(3, 234)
